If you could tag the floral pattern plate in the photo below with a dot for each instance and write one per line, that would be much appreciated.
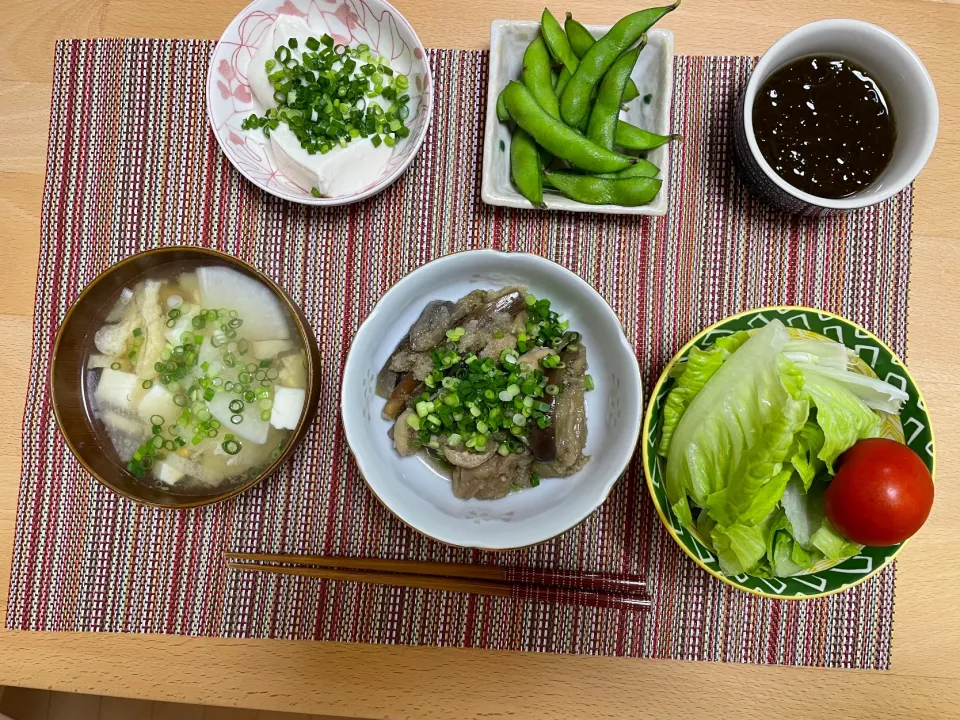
(229, 98)
(912, 427)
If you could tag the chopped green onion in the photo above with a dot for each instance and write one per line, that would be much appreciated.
(534, 480)
(230, 446)
(115, 366)
(588, 382)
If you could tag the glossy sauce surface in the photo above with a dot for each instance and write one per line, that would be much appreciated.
(824, 125)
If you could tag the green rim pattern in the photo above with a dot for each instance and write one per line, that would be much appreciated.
(917, 433)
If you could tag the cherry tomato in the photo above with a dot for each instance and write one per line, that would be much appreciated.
(881, 495)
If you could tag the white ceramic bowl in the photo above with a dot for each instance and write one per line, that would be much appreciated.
(653, 75)
(229, 98)
(898, 70)
(423, 498)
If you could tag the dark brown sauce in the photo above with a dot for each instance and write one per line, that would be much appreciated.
(824, 126)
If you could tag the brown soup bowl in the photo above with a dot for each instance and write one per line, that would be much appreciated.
(87, 442)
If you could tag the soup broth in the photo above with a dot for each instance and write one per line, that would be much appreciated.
(197, 377)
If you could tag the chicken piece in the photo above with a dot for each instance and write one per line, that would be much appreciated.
(533, 357)
(466, 459)
(407, 361)
(494, 478)
(471, 301)
(497, 345)
(405, 438)
(519, 323)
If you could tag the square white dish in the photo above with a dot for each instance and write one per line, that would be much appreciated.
(653, 75)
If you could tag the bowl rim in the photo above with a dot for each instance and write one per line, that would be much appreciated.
(647, 417)
(879, 34)
(384, 181)
(299, 432)
(610, 485)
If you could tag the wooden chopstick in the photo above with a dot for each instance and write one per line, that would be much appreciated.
(593, 581)
(516, 591)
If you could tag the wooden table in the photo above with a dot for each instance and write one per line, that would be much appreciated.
(405, 682)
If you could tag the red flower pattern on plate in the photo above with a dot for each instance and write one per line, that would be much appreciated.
(288, 8)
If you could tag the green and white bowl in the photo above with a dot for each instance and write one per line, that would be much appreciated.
(912, 427)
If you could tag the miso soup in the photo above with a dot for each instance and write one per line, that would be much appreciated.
(197, 378)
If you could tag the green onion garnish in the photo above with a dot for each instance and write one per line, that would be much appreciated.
(323, 95)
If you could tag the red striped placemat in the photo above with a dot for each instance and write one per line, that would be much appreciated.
(132, 165)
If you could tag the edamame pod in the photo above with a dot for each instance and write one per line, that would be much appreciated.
(601, 55)
(562, 81)
(557, 41)
(606, 110)
(558, 139)
(536, 76)
(525, 167)
(643, 168)
(581, 40)
(502, 114)
(589, 189)
(630, 137)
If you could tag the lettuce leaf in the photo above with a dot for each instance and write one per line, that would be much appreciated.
(784, 554)
(875, 393)
(740, 548)
(826, 353)
(766, 499)
(832, 544)
(691, 376)
(804, 510)
(727, 418)
(803, 455)
(755, 486)
(842, 416)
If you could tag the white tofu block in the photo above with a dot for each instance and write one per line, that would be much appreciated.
(158, 401)
(182, 324)
(287, 406)
(166, 473)
(118, 389)
(252, 428)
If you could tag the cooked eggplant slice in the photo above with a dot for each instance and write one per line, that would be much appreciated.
(406, 388)
(431, 327)
(543, 441)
